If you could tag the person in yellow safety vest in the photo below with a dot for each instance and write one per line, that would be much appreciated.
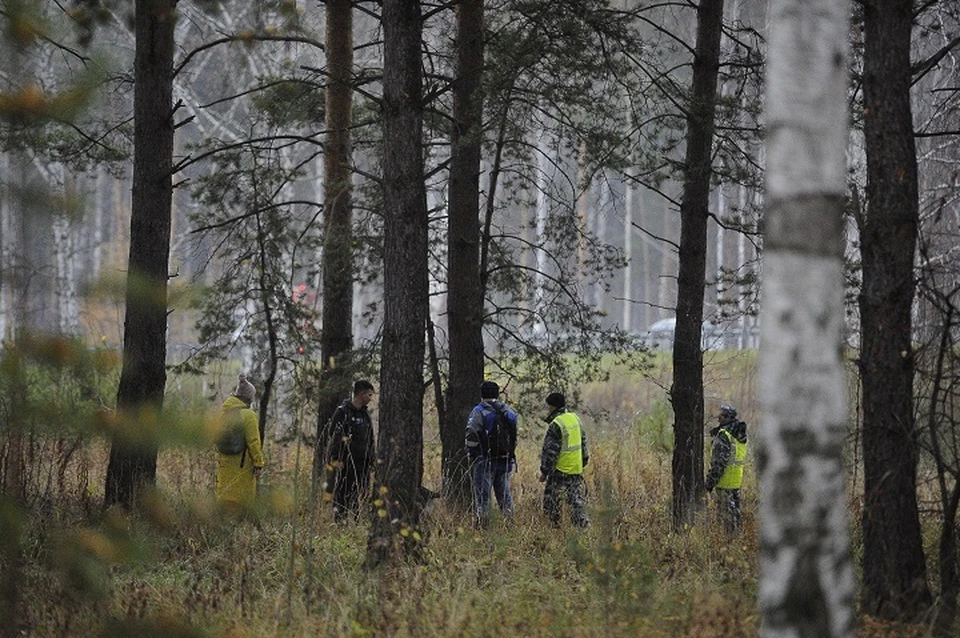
(562, 460)
(727, 457)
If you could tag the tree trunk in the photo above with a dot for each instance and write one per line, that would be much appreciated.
(133, 454)
(464, 291)
(399, 467)
(687, 391)
(807, 582)
(336, 341)
(894, 572)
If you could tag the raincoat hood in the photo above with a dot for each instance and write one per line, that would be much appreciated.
(233, 403)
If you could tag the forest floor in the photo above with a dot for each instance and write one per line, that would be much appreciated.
(185, 569)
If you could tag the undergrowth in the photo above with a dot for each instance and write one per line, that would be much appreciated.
(183, 568)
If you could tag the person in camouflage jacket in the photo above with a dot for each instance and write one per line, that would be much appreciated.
(562, 459)
(726, 465)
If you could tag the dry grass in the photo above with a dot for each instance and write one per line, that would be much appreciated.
(287, 570)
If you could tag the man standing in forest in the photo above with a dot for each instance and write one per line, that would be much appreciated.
(491, 441)
(350, 454)
(562, 460)
(726, 465)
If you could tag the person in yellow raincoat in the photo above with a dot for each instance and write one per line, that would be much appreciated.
(237, 473)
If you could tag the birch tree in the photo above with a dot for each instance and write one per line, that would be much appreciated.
(807, 584)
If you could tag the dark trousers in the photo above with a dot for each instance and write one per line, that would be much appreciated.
(351, 483)
(728, 508)
(560, 484)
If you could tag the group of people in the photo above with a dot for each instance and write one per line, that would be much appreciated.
(350, 452)
(491, 445)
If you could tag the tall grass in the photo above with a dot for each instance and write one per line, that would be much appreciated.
(183, 568)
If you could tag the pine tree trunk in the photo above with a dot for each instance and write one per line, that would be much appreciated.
(133, 454)
(465, 293)
(807, 583)
(687, 391)
(399, 467)
(894, 571)
(336, 341)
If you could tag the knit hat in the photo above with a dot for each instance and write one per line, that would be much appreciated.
(728, 410)
(556, 400)
(489, 390)
(245, 389)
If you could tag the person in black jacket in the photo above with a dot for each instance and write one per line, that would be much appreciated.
(350, 454)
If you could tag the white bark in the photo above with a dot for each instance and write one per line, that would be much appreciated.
(628, 254)
(807, 583)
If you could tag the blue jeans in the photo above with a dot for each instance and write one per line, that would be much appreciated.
(493, 473)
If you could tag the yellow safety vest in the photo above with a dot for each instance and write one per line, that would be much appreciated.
(570, 460)
(733, 474)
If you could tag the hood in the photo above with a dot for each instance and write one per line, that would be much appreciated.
(233, 403)
(737, 429)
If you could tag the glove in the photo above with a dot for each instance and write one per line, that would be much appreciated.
(512, 467)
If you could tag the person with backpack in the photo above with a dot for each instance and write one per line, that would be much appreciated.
(240, 454)
(562, 459)
(350, 453)
(727, 457)
(491, 442)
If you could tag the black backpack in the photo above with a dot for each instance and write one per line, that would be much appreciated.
(233, 440)
(501, 435)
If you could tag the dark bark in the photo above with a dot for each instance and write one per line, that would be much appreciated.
(399, 467)
(336, 341)
(12, 559)
(946, 611)
(464, 291)
(894, 572)
(266, 392)
(133, 454)
(687, 391)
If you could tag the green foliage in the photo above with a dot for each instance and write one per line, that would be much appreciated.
(655, 426)
(290, 101)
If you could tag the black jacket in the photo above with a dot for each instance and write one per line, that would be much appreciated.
(351, 436)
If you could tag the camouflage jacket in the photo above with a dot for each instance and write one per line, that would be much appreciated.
(723, 450)
(553, 441)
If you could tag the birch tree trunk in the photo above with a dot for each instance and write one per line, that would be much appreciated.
(399, 467)
(807, 583)
(627, 321)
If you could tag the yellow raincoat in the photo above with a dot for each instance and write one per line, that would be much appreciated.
(236, 484)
